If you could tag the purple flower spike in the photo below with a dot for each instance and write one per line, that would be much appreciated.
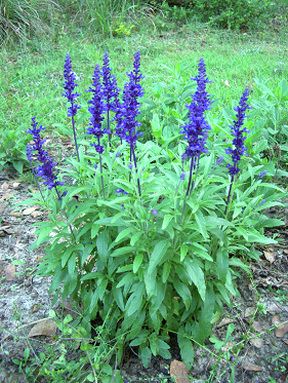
(96, 107)
(110, 89)
(71, 95)
(238, 149)
(69, 87)
(196, 131)
(42, 164)
(130, 108)
(96, 110)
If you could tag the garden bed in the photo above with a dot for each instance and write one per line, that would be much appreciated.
(254, 330)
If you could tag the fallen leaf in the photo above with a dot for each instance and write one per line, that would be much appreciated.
(36, 214)
(270, 255)
(10, 272)
(285, 251)
(179, 372)
(5, 186)
(29, 210)
(251, 366)
(275, 320)
(16, 214)
(224, 322)
(45, 327)
(249, 312)
(257, 326)
(281, 330)
(257, 342)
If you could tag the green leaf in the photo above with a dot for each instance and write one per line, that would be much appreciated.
(137, 262)
(135, 300)
(102, 244)
(183, 292)
(166, 271)
(186, 350)
(167, 219)
(145, 355)
(201, 224)
(135, 238)
(122, 251)
(123, 234)
(222, 263)
(157, 255)
(196, 275)
(183, 252)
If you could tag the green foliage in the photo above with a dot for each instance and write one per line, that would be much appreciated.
(233, 14)
(72, 357)
(153, 275)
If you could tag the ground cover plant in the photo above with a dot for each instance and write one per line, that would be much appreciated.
(148, 239)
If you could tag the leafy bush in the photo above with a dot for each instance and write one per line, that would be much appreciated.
(231, 14)
(144, 246)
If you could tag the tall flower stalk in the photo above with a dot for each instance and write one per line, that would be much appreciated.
(110, 91)
(42, 165)
(71, 95)
(238, 148)
(196, 130)
(130, 110)
(96, 110)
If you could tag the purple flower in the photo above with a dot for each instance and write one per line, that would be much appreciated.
(121, 191)
(69, 87)
(262, 174)
(238, 148)
(130, 107)
(96, 110)
(154, 212)
(182, 176)
(110, 89)
(219, 160)
(42, 164)
(196, 131)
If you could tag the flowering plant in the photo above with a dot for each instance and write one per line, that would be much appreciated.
(137, 239)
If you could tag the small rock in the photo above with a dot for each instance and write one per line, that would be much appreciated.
(179, 372)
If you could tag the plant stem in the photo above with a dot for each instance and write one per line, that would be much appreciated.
(190, 175)
(70, 227)
(136, 169)
(74, 134)
(229, 194)
(101, 169)
(108, 127)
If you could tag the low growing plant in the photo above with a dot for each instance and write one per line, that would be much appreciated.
(149, 237)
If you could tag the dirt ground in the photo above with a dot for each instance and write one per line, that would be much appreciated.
(254, 330)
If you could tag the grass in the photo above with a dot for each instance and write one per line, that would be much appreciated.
(31, 82)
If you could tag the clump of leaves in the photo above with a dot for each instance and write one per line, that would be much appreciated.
(138, 236)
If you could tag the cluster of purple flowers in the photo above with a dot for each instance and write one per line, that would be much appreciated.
(129, 110)
(96, 110)
(196, 131)
(69, 87)
(71, 95)
(238, 149)
(41, 163)
(105, 99)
